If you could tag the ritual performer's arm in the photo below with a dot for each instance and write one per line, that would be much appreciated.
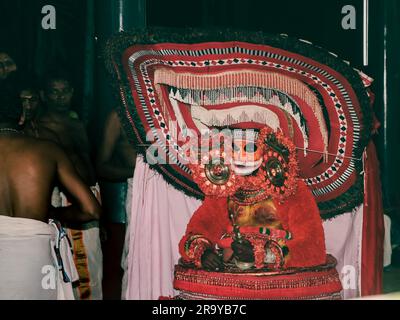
(87, 208)
(204, 230)
(106, 169)
(307, 244)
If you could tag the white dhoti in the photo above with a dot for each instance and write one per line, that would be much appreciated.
(36, 261)
(88, 255)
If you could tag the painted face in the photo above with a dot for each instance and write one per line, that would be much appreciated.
(247, 157)
(7, 65)
(59, 95)
(30, 103)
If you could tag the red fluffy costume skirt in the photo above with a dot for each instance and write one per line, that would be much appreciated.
(316, 283)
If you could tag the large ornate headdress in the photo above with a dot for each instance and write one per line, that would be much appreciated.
(173, 84)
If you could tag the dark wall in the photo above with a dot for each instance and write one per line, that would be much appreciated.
(314, 20)
(39, 52)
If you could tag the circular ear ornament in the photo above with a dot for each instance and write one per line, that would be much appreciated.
(214, 174)
(217, 172)
(215, 178)
(280, 164)
(275, 170)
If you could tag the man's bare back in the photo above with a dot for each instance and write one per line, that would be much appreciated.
(72, 138)
(29, 169)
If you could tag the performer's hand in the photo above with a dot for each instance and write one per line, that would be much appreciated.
(211, 261)
(243, 250)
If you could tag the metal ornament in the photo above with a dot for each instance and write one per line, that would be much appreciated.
(275, 172)
(217, 172)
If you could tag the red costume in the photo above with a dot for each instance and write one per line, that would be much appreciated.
(286, 214)
(174, 85)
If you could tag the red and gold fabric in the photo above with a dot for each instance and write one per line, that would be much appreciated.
(316, 283)
(298, 214)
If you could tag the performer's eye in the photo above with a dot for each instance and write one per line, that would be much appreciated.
(250, 147)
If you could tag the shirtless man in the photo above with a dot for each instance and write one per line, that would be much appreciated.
(28, 170)
(115, 166)
(72, 136)
(31, 111)
(60, 119)
(116, 158)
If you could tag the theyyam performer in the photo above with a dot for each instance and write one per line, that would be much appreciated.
(174, 85)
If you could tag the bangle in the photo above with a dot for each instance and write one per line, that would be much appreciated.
(195, 247)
